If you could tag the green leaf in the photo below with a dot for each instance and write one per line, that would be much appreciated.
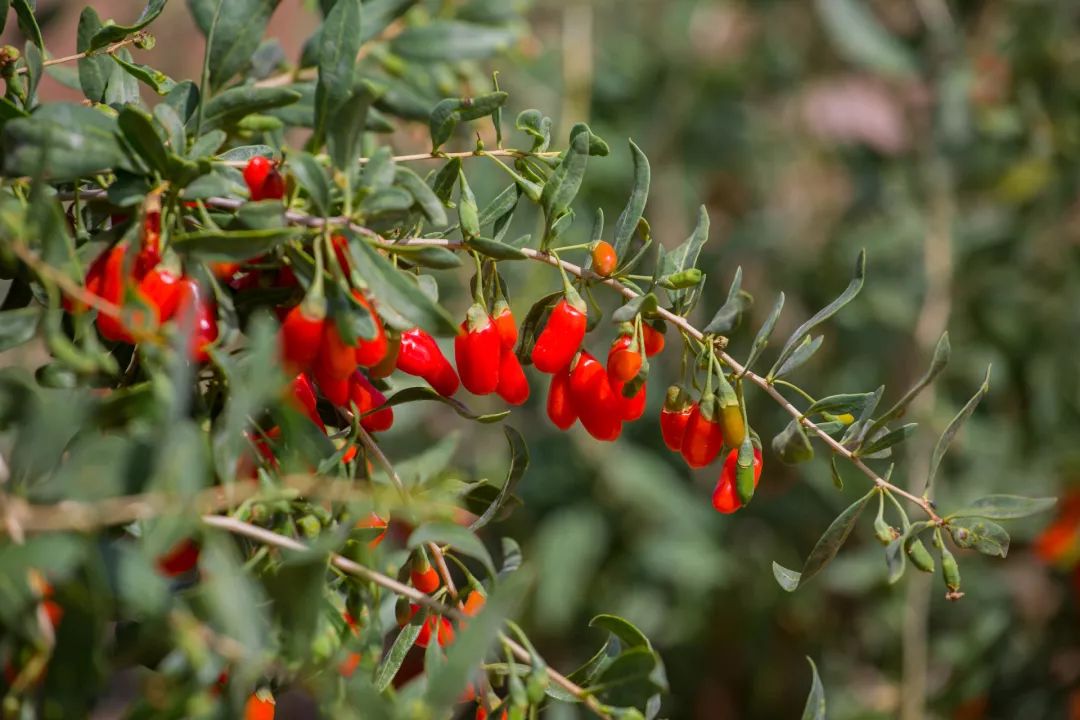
(312, 178)
(403, 643)
(233, 601)
(158, 81)
(449, 112)
(974, 533)
(519, 462)
(876, 446)
(424, 196)
(950, 432)
(77, 141)
(495, 249)
(424, 255)
(239, 30)
(642, 304)
(799, 356)
(344, 136)
(122, 88)
(34, 71)
(815, 701)
(418, 393)
(839, 404)
(896, 559)
(1005, 507)
(562, 187)
(114, 33)
(629, 680)
(451, 40)
(234, 104)
(861, 39)
(623, 629)
(339, 43)
(792, 445)
(461, 539)
(727, 317)
(28, 25)
(761, 340)
(940, 359)
(18, 326)
(635, 206)
(138, 129)
(173, 126)
(390, 286)
(597, 146)
(296, 589)
(798, 337)
(538, 126)
(471, 645)
(826, 548)
(232, 245)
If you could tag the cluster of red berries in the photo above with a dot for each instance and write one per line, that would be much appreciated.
(114, 277)
(700, 430)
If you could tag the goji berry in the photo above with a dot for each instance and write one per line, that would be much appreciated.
(181, 558)
(304, 394)
(224, 270)
(653, 339)
(334, 389)
(196, 308)
(630, 408)
(259, 706)
(623, 360)
(560, 408)
(594, 399)
(561, 336)
(423, 576)
(513, 385)
(503, 318)
(473, 603)
(674, 417)
(263, 179)
(420, 356)
(112, 287)
(481, 713)
(604, 259)
(162, 288)
(374, 521)
(337, 359)
(704, 436)
(370, 351)
(301, 336)
(386, 366)
(725, 497)
(367, 397)
(477, 352)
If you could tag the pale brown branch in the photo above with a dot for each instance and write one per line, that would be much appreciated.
(107, 50)
(267, 537)
(501, 152)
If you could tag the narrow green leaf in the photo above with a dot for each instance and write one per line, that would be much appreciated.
(635, 206)
(495, 249)
(940, 359)
(420, 393)
(156, 80)
(626, 631)
(519, 462)
(761, 340)
(403, 643)
(425, 197)
(232, 105)
(727, 317)
(451, 40)
(950, 432)
(232, 245)
(461, 539)
(799, 356)
(792, 445)
(28, 25)
(642, 304)
(839, 404)
(875, 447)
(344, 136)
(312, 179)
(861, 39)
(826, 548)
(240, 28)
(114, 33)
(815, 701)
(975, 533)
(1005, 507)
(468, 213)
(18, 326)
(77, 141)
(562, 187)
(138, 129)
(339, 43)
(825, 313)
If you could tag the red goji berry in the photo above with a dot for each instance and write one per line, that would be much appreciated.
(481, 713)
(560, 408)
(477, 352)
(194, 307)
(630, 408)
(260, 706)
(674, 417)
(420, 356)
(336, 358)
(653, 339)
(374, 521)
(224, 270)
(162, 288)
(113, 285)
(335, 389)
(623, 360)
(704, 436)
(473, 603)
(181, 558)
(370, 351)
(503, 317)
(604, 259)
(513, 385)
(304, 394)
(367, 397)
(594, 399)
(263, 179)
(423, 576)
(561, 336)
(386, 366)
(725, 497)
(301, 336)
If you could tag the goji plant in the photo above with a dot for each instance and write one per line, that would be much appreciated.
(237, 284)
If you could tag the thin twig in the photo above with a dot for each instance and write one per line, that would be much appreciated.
(501, 152)
(107, 50)
(268, 537)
